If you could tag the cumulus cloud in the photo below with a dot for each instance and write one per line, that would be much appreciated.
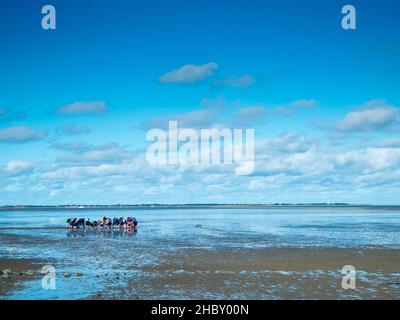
(286, 143)
(389, 143)
(249, 116)
(85, 154)
(299, 163)
(189, 73)
(214, 114)
(369, 159)
(305, 103)
(375, 115)
(219, 103)
(195, 119)
(20, 134)
(73, 130)
(70, 146)
(243, 81)
(296, 105)
(83, 107)
(288, 168)
(84, 172)
(16, 167)
(251, 112)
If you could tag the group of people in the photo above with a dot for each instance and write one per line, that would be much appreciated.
(104, 222)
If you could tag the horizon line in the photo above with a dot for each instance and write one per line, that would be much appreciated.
(277, 204)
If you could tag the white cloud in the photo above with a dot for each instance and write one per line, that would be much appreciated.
(249, 116)
(20, 134)
(189, 73)
(286, 143)
(389, 143)
(84, 154)
(370, 159)
(296, 105)
(243, 81)
(195, 119)
(73, 130)
(375, 115)
(15, 167)
(250, 112)
(219, 102)
(128, 169)
(70, 146)
(83, 107)
(288, 168)
(305, 103)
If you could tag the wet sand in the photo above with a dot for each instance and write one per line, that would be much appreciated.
(209, 262)
(14, 272)
(290, 259)
(273, 273)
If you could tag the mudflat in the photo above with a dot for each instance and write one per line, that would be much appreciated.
(16, 271)
(229, 273)
(199, 254)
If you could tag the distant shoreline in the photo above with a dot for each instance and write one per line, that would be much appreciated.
(202, 206)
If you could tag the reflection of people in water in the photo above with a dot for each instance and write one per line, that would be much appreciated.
(112, 233)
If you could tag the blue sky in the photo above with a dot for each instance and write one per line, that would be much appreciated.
(75, 102)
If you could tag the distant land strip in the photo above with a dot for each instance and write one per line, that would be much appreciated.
(329, 206)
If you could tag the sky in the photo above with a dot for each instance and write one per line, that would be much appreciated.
(77, 102)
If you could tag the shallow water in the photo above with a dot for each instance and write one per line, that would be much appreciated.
(122, 265)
